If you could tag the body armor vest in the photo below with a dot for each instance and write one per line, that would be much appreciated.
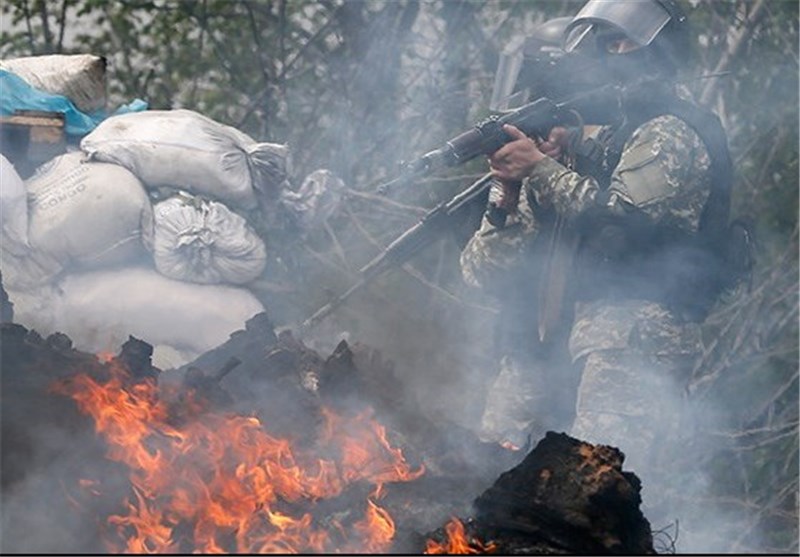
(634, 258)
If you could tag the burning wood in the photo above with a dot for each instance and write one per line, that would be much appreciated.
(567, 496)
(239, 488)
(182, 466)
(458, 542)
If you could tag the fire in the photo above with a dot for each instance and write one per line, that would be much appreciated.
(376, 529)
(220, 483)
(458, 543)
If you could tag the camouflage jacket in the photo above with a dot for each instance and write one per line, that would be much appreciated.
(661, 182)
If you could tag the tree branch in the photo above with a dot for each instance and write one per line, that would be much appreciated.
(62, 21)
(45, 17)
(738, 39)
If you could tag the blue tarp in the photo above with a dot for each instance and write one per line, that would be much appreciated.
(17, 94)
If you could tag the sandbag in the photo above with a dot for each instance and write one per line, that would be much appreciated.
(203, 241)
(81, 214)
(79, 77)
(98, 310)
(19, 95)
(13, 209)
(186, 150)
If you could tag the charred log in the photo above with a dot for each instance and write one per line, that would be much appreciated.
(136, 356)
(206, 386)
(565, 497)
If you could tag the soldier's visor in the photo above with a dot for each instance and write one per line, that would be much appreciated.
(638, 20)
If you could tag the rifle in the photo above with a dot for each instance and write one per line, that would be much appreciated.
(409, 243)
(535, 119)
(486, 137)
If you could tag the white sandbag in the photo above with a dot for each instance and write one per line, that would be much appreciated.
(13, 209)
(81, 214)
(79, 77)
(316, 200)
(98, 310)
(26, 269)
(186, 150)
(203, 241)
(91, 214)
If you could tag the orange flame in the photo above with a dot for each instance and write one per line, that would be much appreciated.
(376, 530)
(457, 542)
(231, 485)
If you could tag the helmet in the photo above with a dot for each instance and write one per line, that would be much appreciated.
(527, 66)
(658, 28)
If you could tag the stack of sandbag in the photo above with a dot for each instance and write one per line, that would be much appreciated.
(99, 309)
(80, 215)
(216, 175)
(100, 258)
(186, 150)
(70, 217)
(145, 231)
(75, 260)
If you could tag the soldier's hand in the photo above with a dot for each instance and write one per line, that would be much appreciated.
(556, 143)
(515, 160)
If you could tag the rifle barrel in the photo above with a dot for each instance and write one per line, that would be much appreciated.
(403, 247)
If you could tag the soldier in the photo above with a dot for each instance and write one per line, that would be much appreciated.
(624, 225)
(502, 258)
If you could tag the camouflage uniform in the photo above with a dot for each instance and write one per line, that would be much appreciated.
(630, 347)
(501, 261)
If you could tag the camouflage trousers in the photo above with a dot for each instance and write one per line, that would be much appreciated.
(630, 362)
(631, 401)
(635, 359)
(514, 404)
(531, 394)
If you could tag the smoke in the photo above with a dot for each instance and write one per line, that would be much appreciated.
(672, 443)
(47, 447)
(45, 511)
(439, 334)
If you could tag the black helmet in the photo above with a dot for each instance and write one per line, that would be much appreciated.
(546, 37)
(532, 67)
(660, 27)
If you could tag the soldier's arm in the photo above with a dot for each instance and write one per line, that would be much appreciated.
(495, 252)
(662, 177)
